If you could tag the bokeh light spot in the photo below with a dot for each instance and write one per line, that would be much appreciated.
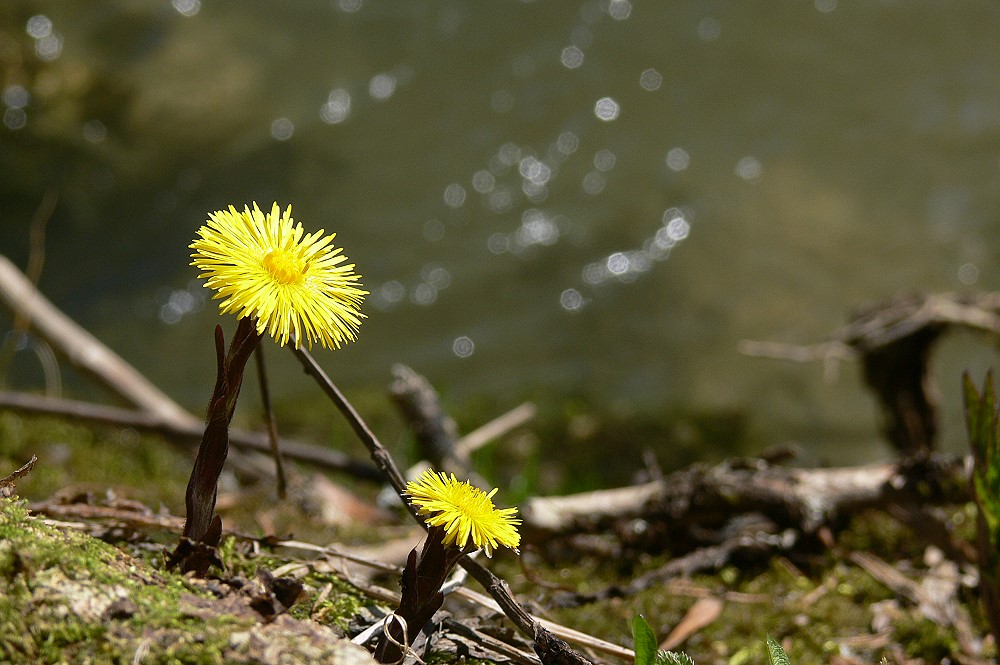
(39, 26)
(337, 107)
(502, 101)
(393, 291)
(49, 48)
(678, 159)
(968, 274)
(382, 86)
(433, 230)
(349, 6)
(709, 29)
(15, 119)
(571, 300)
(454, 195)
(282, 129)
(16, 96)
(572, 57)
(676, 226)
(650, 80)
(606, 109)
(463, 346)
(567, 143)
(604, 160)
(619, 10)
(423, 294)
(436, 275)
(617, 263)
(594, 182)
(749, 168)
(94, 131)
(186, 7)
(483, 181)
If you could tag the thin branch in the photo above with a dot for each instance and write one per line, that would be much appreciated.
(130, 518)
(496, 428)
(36, 235)
(83, 349)
(380, 455)
(436, 431)
(189, 434)
(834, 350)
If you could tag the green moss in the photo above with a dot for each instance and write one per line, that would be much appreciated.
(56, 587)
(75, 455)
(339, 604)
(814, 612)
(925, 639)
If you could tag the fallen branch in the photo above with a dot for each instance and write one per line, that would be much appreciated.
(130, 518)
(893, 340)
(436, 432)
(501, 425)
(804, 499)
(188, 433)
(83, 349)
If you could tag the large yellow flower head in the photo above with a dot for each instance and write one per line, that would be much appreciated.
(262, 266)
(464, 512)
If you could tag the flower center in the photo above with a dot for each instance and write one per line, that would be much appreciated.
(285, 266)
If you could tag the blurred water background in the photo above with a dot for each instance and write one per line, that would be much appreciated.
(586, 201)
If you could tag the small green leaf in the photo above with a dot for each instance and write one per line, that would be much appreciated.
(673, 658)
(775, 653)
(978, 415)
(645, 641)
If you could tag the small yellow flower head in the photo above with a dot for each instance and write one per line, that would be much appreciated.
(464, 512)
(263, 266)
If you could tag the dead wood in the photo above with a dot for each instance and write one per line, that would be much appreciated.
(137, 519)
(435, 431)
(804, 499)
(188, 433)
(893, 340)
(83, 349)
(475, 643)
(437, 434)
(745, 540)
(8, 482)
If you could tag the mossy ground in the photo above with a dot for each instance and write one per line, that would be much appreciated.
(816, 603)
(66, 597)
(39, 563)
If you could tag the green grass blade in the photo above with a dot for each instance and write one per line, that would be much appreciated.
(977, 415)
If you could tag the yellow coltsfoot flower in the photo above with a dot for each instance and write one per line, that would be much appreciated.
(464, 512)
(263, 266)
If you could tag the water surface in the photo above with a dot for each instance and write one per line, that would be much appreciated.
(593, 199)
